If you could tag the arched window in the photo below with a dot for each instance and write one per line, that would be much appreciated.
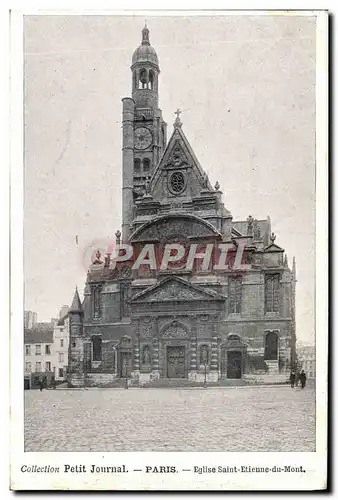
(97, 348)
(235, 294)
(143, 83)
(151, 80)
(137, 166)
(272, 293)
(146, 165)
(97, 302)
(204, 355)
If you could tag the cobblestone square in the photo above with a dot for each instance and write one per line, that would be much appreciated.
(214, 419)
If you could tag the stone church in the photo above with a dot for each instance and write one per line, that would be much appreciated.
(193, 318)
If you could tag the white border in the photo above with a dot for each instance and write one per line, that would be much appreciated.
(314, 463)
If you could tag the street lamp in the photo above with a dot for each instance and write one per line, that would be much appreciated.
(205, 361)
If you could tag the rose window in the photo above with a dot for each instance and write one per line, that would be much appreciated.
(177, 182)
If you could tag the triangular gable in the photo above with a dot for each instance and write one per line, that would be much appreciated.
(273, 248)
(175, 289)
(177, 154)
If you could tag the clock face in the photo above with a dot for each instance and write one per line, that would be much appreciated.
(143, 138)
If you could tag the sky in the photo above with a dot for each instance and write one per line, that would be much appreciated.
(246, 88)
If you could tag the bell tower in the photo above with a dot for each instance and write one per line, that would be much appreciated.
(144, 131)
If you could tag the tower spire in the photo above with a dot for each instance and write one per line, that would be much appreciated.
(76, 304)
(145, 35)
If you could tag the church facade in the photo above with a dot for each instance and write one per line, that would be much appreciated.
(189, 293)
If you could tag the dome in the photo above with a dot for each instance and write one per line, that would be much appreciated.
(145, 52)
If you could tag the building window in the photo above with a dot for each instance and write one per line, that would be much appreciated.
(143, 83)
(151, 80)
(97, 302)
(47, 349)
(137, 166)
(271, 293)
(28, 367)
(235, 294)
(177, 182)
(38, 349)
(48, 366)
(28, 350)
(61, 372)
(97, 348)
(61, 342)
(38, 366)
(61, 357)
(146, 165)
(204, 355)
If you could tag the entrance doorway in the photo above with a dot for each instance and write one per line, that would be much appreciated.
(234, 364)
(125, 364)
(176, 362)
(271, 346)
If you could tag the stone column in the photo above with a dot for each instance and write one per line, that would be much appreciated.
(155, 359)
(192, 373)
(136, 359)
(214, 360)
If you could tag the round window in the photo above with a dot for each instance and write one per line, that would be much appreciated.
(177, 182)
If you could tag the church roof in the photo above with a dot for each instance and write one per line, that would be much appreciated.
(145, 52)
(76, 304)
(177, 139)
(41, 333)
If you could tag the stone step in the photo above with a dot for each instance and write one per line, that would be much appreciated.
(273, 366)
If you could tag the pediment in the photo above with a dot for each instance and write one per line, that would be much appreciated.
(273, 248)
(179, 159)
(174, 289)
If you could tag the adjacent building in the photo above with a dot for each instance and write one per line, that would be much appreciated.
(60, 347)
(306, 355)
(30, 319)
(200, 295)
(38, 363)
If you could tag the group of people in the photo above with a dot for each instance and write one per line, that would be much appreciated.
(43, 384)
(299, 377)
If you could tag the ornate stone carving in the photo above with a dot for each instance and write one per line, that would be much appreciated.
(125, 271)
(204, 317)
(146, 330)
(175, 291)
(176, 330)
(250, 223)
(177, 156)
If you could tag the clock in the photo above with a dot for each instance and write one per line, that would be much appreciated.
(143, 138)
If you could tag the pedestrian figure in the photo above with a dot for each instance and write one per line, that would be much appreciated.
(53, 384)
(41, 385)
(302, 378)
(292, 379)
